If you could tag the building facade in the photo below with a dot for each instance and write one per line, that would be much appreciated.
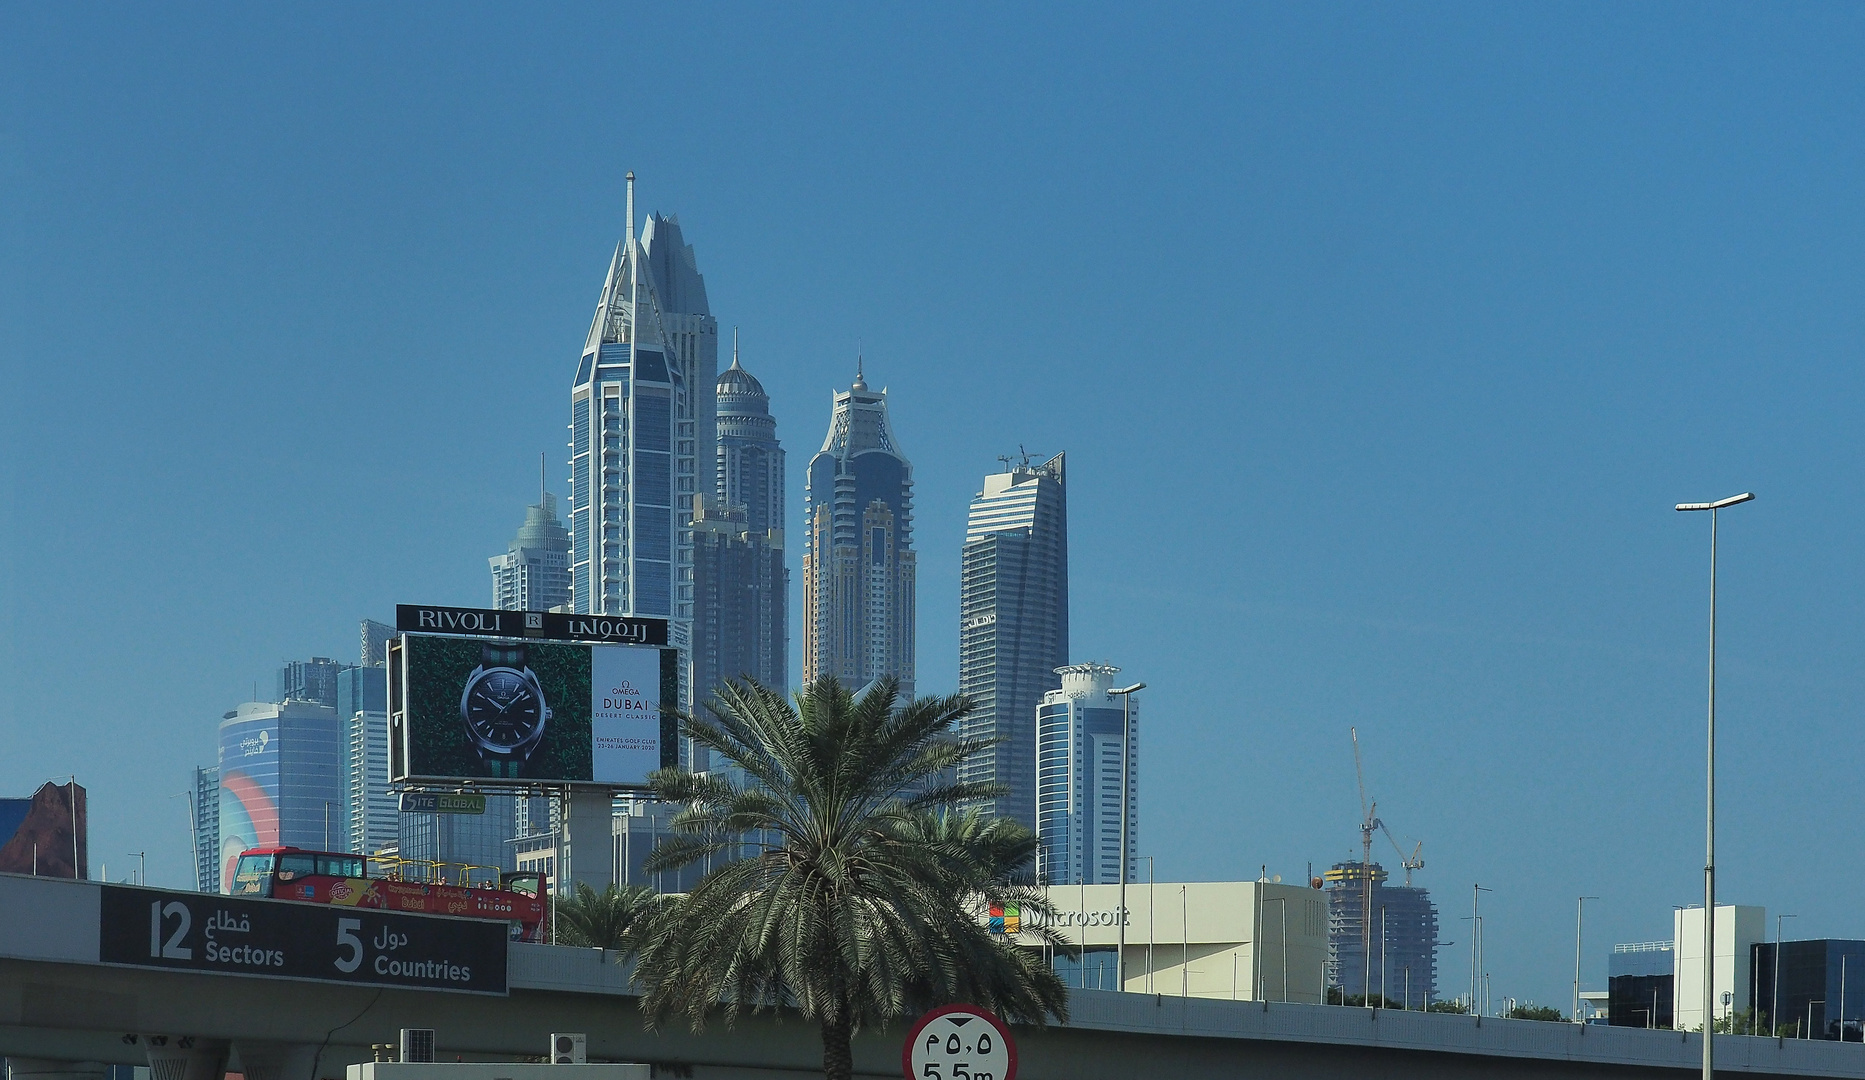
(370, 811)
(280, 778)
(460, 848)
(859, 566)
(642, 433)
(1640, 978)
(534, 572)
(204, 803)
(309, 680)
(1013, 624)
(1819, 993)
(1382, 939)
(1078, 752)
(47, 833)
(374, 643)
(1738, 928)
(1237, 940)
(740, 582)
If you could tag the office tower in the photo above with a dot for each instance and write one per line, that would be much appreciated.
(1366, 914)
(375, 644)
(369, 808)
(740, 584)
(534, 572)
(461, 848)
(858, 558)
(281, 767)
(642, 428)
(204, 803)
(309, 680)
(1078, 778)
(1013, 624)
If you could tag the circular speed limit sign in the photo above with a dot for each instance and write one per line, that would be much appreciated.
(959, 1042)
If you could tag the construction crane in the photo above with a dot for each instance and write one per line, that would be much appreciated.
(1369, 824)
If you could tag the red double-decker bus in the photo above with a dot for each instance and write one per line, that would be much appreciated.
(323, 877)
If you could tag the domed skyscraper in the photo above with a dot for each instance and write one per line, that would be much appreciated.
(740, 583)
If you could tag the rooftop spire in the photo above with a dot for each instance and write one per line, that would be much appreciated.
(861, 383)
(540, 478)
(734, 350)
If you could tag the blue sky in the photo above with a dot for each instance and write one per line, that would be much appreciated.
(1381, 340)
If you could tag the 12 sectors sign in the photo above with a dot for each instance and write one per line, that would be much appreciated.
(228, 936)
(553, 712)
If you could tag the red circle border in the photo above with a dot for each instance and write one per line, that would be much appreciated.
(906, 1047)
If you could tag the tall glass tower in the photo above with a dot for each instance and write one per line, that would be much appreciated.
(642, 429)
(740, 622)
(1013, 624)
(858, 561)
(1078, 779)
(534, 572)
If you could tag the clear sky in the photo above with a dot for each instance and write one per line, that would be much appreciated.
(1381, 339)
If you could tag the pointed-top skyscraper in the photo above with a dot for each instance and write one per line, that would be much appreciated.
(858, 561)
(642, 430)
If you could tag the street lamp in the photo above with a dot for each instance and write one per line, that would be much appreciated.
(1709, 842)
(1125, 694)
(1580, 912)
(1774, 1011)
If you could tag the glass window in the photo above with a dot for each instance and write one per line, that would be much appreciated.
(340, 865)
(292, 867)
(252, 876)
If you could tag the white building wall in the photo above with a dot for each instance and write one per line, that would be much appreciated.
(1737, 927)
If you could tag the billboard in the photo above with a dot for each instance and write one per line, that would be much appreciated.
(544, 711)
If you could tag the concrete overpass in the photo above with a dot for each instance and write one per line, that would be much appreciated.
(64, 1014)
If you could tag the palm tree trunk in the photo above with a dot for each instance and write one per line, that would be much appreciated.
(838, 1058)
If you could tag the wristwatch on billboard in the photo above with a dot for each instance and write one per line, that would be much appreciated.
(503, 709)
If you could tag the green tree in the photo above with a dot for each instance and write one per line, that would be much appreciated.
(860, 901)
(612, 919)
(1447, 1007)
(1537, 1012)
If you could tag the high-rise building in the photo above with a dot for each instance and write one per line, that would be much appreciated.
(1013, 624)
(858, 560)
(1078, 750)
(370, 812)
(375, 642)
(46, 834)
(281, 767)
(205, 805)
(1371, 923)
(309, 680)
(642, 433)
(741, 586)
(534, 572)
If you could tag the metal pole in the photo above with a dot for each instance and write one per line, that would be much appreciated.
(1126, 740)
(1475, 890)
(1285, 952)
(1580, 912)
(1382, 956)
(1709, 841)
(142, 867)
(1150, 945)
(1842, 997)
(1185, 946)
(1774, 1010)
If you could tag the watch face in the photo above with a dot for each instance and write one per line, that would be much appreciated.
(503, 709)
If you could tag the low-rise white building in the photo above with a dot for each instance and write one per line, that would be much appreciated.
(1245, 940)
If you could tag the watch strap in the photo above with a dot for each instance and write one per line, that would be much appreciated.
(507, 656)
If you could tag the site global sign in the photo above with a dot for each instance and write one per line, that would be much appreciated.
(225, 935)
(435, 802)
(959, 1042)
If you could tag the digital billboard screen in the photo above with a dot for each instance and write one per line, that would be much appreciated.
(544, 711)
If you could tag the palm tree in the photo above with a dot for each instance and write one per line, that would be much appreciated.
(611, 919)
(859, 901)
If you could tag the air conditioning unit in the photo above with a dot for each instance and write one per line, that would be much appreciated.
(569, 1048)
(417, 1044)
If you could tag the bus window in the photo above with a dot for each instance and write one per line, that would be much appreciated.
(253, 876)
(291, 867)
(340, 865)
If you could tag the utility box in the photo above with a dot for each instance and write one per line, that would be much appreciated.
(494, 1070)
(569, 1048)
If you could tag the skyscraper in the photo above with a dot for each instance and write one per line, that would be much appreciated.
(309, 680)
(1013, 624)
(642, 428)
(375, 642)
(534, 572)
(741, 586)
(1369, 922)
(369, 808)
(1078, 779)
(280, 778)
(858, 559)
(204, 803)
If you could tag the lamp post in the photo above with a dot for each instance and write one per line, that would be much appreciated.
(1580, 912)
(1125, 694)
(1774, 1010)
(1709, 840)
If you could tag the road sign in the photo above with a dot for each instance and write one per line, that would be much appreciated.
(959, 1042)
(226, 935)
(434, 802)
